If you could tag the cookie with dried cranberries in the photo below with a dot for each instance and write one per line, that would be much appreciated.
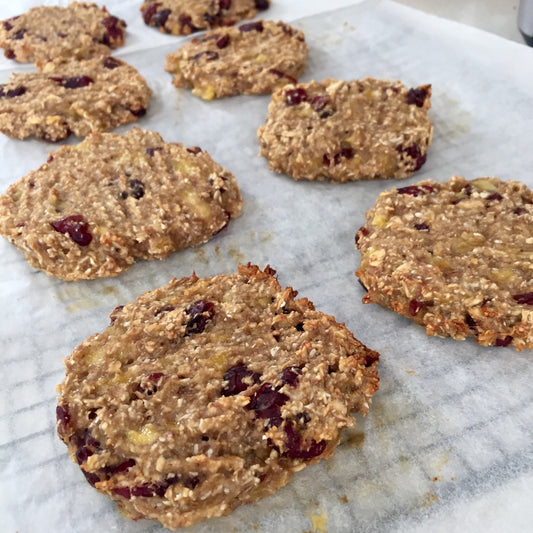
(210, 393)
(455, 257)
(92, 209)
(81, 30)
(182, 17)
(254, 58)
(347, 130)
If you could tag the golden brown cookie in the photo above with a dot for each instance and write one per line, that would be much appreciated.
(207, 394)
(94, 208)
(182, 17)
(254, 58)
(81, 30)
(72, 96)
(347, 130)
(455, 257)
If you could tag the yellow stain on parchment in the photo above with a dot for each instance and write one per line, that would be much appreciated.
(320, 522)
(429, 499)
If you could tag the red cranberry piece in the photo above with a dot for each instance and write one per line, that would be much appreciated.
(164, 309)
(209, 55)
(415, 154)
(111, 63)
(12, 93)
(300, 326)
(74, 83)
(200, 312)
(63, 419)
(234, 377)
(261, 5)
(362, 231)
(61, 34)
(7, 25)
(294, 445)
(186, 22)
(149, 11)
(318, 103)
(295, 96)
(76, 227)
(160, 18)
(252, 26)
(415, 190)
(495, 196)
(192, 482)
(152, 151)
(472, 324)
(371, 358)
(18, 35)
(224, 4)
(141, 111)
(194, 150)
(267, 402)
(91, 477)
(10, 54)
(519, 210)
(223, 41)
(125, 492)
(504, 342)
(524, 299)
(422, 227)
(417, 97)
(289, 375)
(111, 24)
(281, 74)
(414, 307)
(347, 152)
(83, 453)
(136, 189)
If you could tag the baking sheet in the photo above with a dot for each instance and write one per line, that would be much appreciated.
(448, 444)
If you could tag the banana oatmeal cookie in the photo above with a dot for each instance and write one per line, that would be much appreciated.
(455, 257)
(68, 97)
(207, 394)
(347, 130)
(254, 58)
(182, 17)
(81, 30)
(94, 208)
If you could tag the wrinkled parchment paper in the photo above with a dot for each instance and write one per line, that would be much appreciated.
(448, 443)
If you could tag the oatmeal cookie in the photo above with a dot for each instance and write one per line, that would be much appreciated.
(80, 31)
(182, 17)
(455, 257)
(94, 208)
(207, 394)
(347, 130)
(68, 97)
(255, 58)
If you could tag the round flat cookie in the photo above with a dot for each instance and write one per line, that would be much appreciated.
(81, 31)
(68, 97)
(455, 257)
(94, 208)
(347, 130)
(182, 17)
(254, 58)
(207, 394)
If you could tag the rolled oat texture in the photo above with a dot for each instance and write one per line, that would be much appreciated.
(207, 394)
(254, 58)
(92, 209)
(455, 257)
(81, 30)
(347, 130)
(182, 17)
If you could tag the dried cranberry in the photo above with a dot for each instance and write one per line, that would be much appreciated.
(495, 196)
(326, 160)
(318, 103)
(414, 307)
(91, 477)
(160, 18)
(125, 466)
(414, 153)
(224, 4)
(12, 93)
(136, 189)
(209, 55)
(125, 492)
(371, 358)
(504, 342)
(18, 35)
(192, 482)
(294, 445)
(149, 11)
(186, 22)
(347, 152)
(164, 309)
(76, 227)
(152, 151)
(362, 231)
(63, 419)
(10, 54)
(281, 74)
(471, 323)
(415, 190)
(417, 96)
(7, 25)
(83, 453)
(300, 326)
(234, 377)
(194, 150)
(524, 299)
(141, 111)
(267, 402)
(295, 96)
(519, 210)
(61, 35)
(289, 375)
(200, 312)
(422, 227)
(262, 4)
(73, 83)
(252, 26)
(111, 63)
(223, 41)
(112, 26)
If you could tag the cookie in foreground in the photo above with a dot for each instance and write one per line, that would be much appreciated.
(455, 257)
(347, 130)
(72, 96)
(80, 31)
(96, 207)
(254, 58)
(182, 17)
(210, 393)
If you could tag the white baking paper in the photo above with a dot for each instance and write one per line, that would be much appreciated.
(448, 443)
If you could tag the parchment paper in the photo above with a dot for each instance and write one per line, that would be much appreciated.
(447, 445)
